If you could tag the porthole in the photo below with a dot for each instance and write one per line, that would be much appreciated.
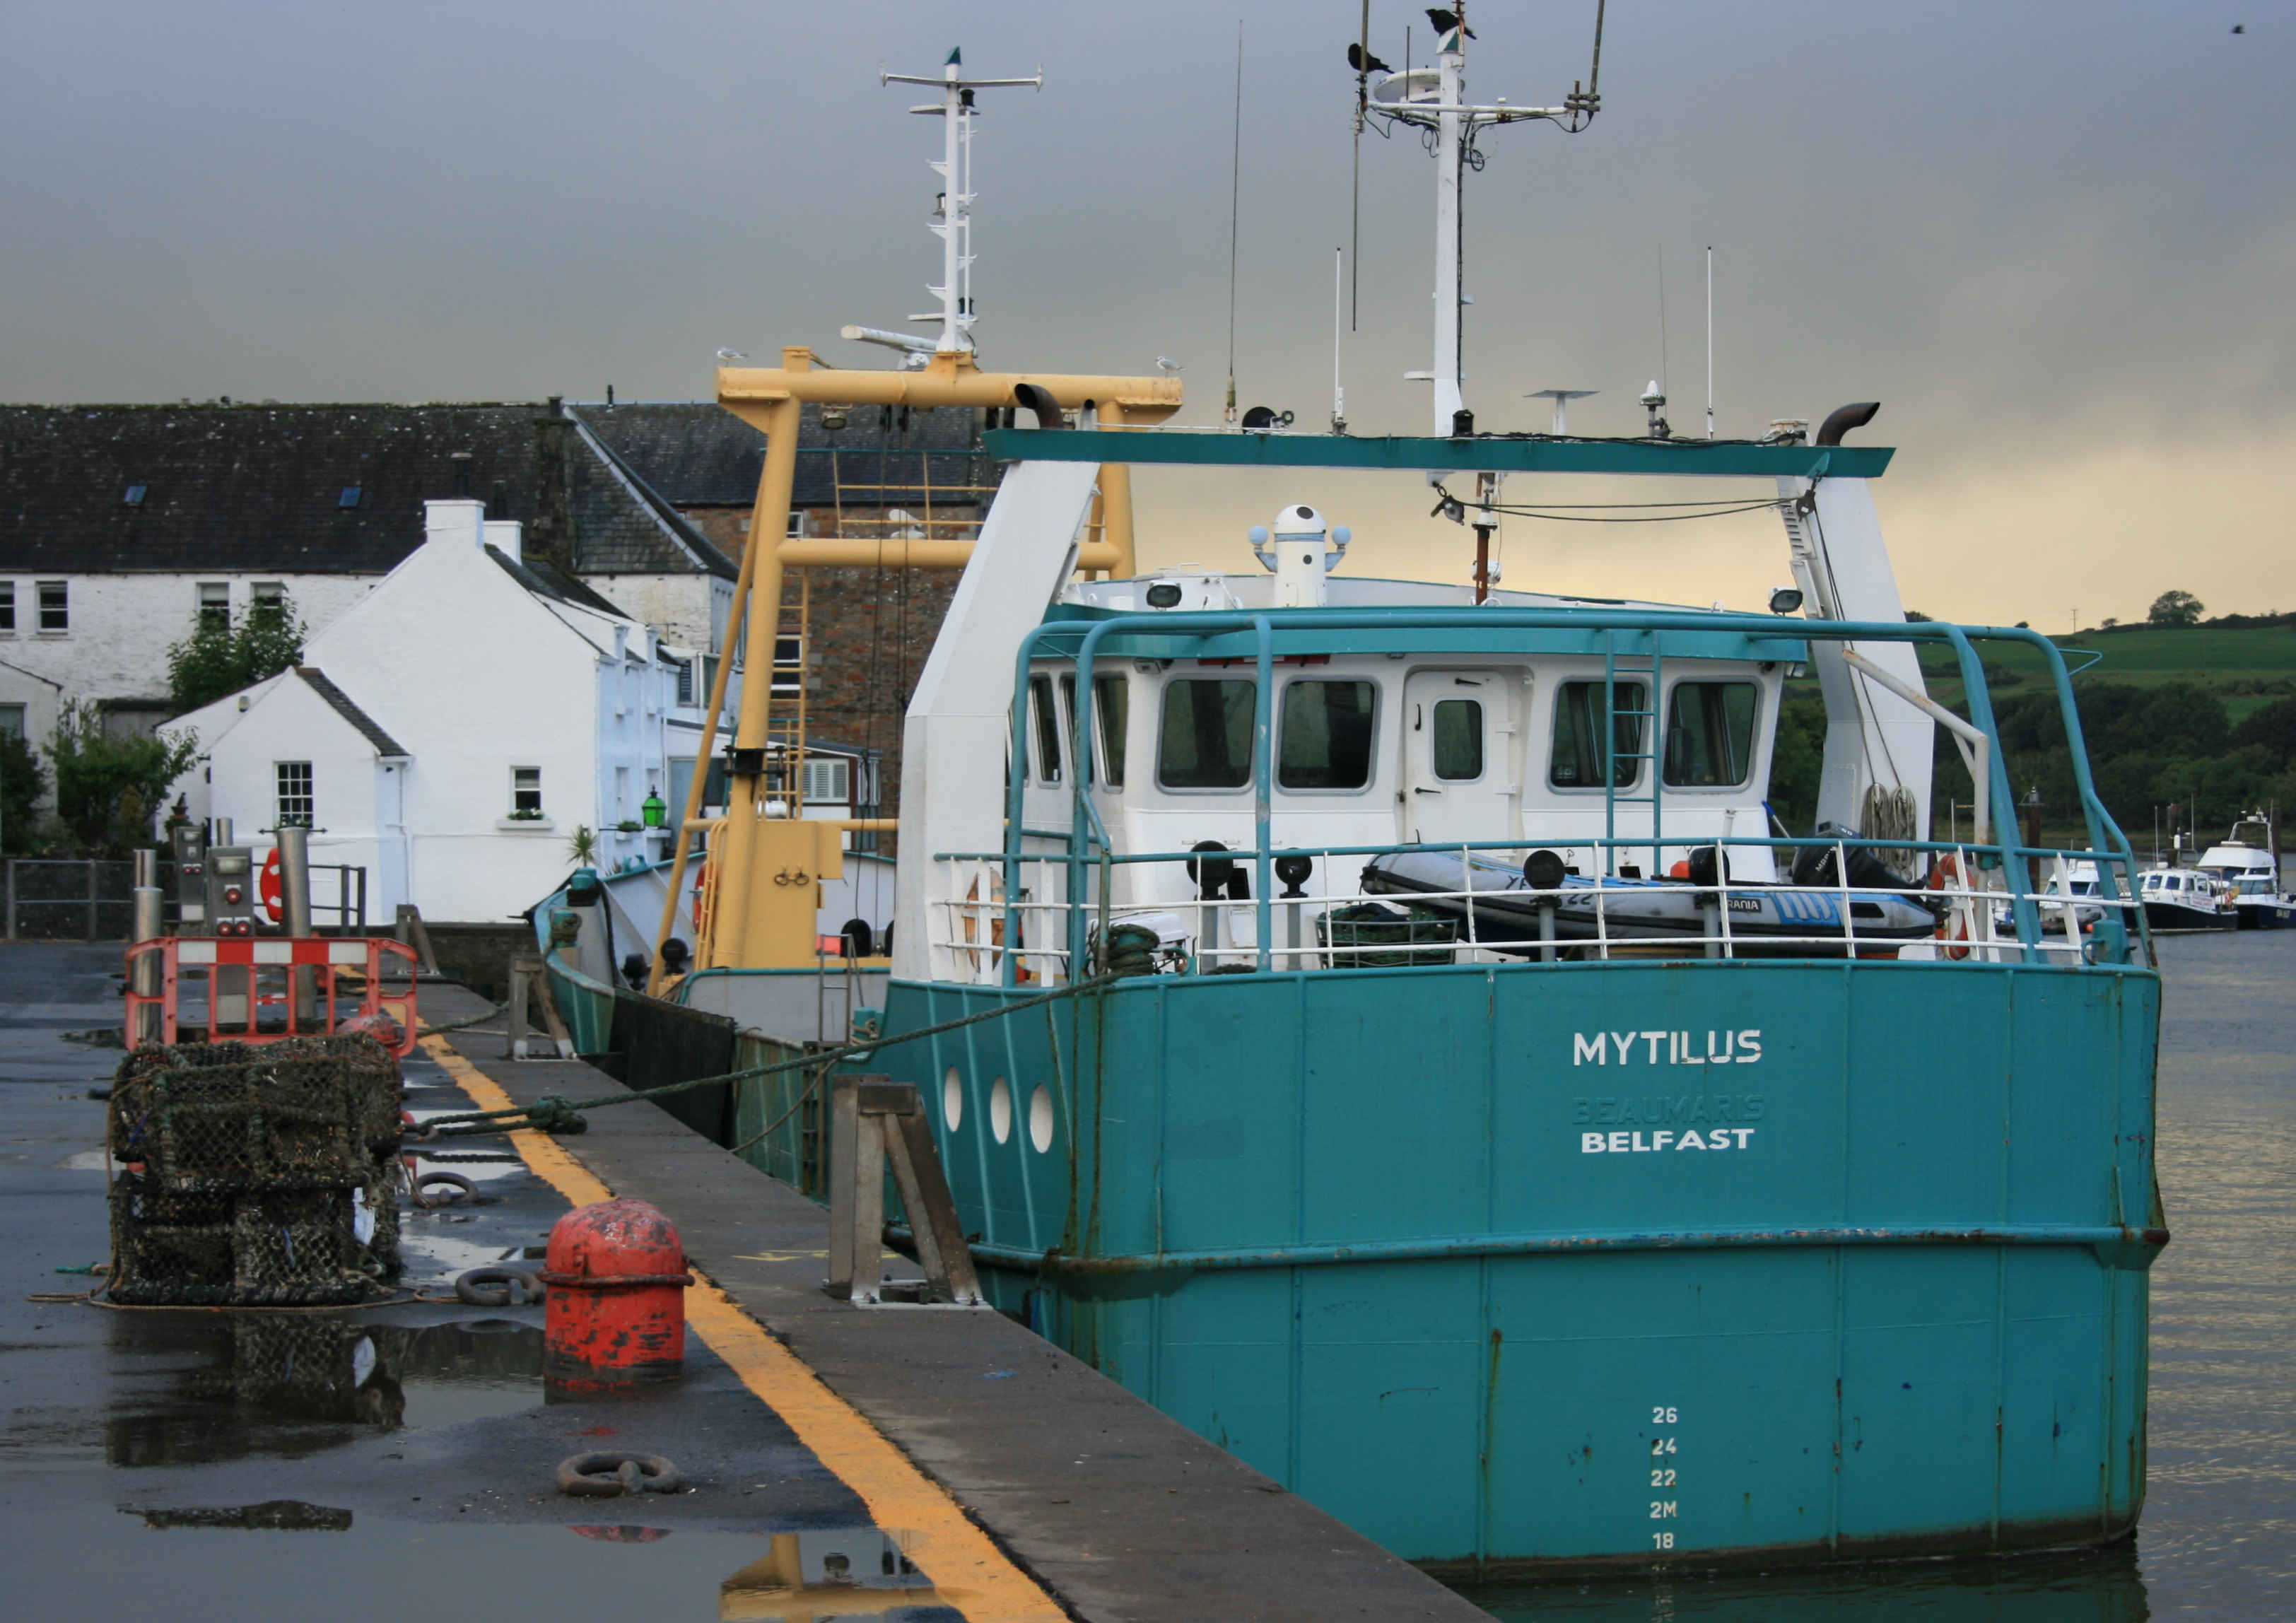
(1040, 1119)
(952, 1100)
(1000, 1110)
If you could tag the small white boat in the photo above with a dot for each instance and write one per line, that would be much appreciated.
(2185, 899)
(2248, 860)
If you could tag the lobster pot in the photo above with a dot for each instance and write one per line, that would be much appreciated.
(255, 1176)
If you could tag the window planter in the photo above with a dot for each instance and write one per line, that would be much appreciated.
(526, 825)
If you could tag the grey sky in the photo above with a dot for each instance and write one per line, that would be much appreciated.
(2054, 239)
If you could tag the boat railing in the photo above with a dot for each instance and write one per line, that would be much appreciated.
(985, 934)
(1087, 841)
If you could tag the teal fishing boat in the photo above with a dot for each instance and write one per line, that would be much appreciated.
(1405, 1048)
(1503, 1228)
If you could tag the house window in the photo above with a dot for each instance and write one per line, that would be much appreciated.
(348, 497)
(7, 607)
(685, 682)
(828, 780)
(796, 523)
(133, 496)
(621, 794)
(215, 605)
(526, 791)
(294, 794)
(12, 720)
(55, 606)
(267, 593)
(788, 664)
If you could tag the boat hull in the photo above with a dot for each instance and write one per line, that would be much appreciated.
(1426, 1245)
(2177, 916)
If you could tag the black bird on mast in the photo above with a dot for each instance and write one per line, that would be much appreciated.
(1444, 22)
(1364, 61)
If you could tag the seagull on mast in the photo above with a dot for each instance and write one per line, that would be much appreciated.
(1364, 61)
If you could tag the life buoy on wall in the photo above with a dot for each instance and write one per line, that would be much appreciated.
(1952, 929)
(703, 907)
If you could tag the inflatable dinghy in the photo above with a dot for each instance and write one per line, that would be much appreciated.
(1764, 920)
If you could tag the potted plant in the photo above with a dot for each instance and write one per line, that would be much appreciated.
(582, 845)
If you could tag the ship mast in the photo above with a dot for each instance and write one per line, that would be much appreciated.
(1434, 100)
(953, 220)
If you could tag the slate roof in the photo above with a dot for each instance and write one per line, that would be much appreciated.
(695, 454)
(319, 682)
(545, 579)
(257, 489)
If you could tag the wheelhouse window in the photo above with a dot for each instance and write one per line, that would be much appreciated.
(1709, 733)
(1046, 716)
(1113, 696)
(1456, 745)
(1581, 754)
(1205, 739)
(526, 791)
(294, 794)
(1324, 740)
(55, 606)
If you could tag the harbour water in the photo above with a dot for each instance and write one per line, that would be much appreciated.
(2218, 1536)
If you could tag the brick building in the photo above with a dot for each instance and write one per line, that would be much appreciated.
(867, 472)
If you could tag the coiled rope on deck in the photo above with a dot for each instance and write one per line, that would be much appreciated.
(554, 1113)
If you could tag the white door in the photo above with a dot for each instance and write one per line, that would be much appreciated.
(1458, 756)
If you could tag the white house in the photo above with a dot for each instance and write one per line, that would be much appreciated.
(451, 730)
(122, 527)
(30, 704)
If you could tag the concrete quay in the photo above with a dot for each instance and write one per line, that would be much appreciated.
(926, 1463)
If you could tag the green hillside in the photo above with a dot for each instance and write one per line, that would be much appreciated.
(2201, 718)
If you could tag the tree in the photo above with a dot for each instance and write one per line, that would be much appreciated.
(2174, 609)
(108, 786)
(220, 658)
(22, 781)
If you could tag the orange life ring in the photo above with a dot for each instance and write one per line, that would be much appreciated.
(1954, 928)
(702, 904)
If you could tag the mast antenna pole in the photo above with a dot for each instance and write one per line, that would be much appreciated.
(1450, 127)
(1355, 184)
(1339, 304)
(953, 221)
(1709, 340)
(1235, 214)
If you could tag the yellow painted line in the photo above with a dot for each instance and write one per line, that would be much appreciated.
(917, 1513)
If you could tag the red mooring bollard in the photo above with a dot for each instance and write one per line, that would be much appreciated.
(616, 1317)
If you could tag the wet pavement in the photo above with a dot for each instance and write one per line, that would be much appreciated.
(260, 1465)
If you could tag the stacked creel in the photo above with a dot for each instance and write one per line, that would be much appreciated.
(255, 1174)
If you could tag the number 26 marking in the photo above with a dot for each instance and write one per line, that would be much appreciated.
(1662, 1416)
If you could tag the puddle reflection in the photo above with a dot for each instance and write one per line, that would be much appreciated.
(287, 1384)
(833, 1572)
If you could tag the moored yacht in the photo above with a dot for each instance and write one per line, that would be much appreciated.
(2248, 860)
(2185, 899)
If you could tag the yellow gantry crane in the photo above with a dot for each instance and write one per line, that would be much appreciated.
(757, 903)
